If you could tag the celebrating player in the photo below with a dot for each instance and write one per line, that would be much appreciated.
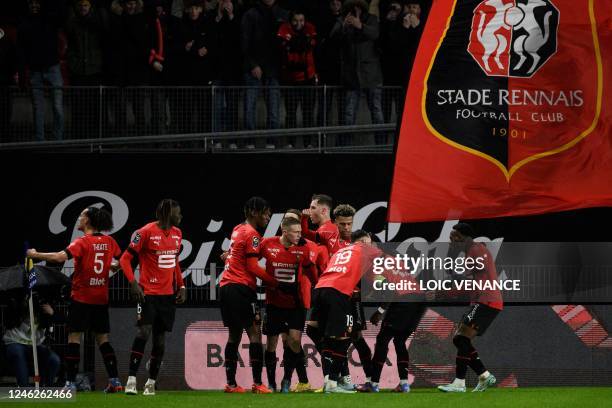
(343, 219)
(156, 246)
(332, 306)
(93, 255)
(478, 318)
(238, 294)
(400, 321)
(319, 213)
(288, 259)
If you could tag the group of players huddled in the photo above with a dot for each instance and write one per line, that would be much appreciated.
(311, 278)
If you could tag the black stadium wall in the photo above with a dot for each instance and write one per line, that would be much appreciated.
(527, 345)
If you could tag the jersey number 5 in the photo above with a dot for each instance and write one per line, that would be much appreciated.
(99, 262)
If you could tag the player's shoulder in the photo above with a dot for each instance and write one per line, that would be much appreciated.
(176, 231)
(151, 226)
(329, 227)
(270, 241)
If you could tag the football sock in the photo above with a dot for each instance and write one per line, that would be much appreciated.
(365, 355)
(463, 356)
(381, 349)
(300, 367)
(270, 359)
(338, 349)
(110, 359)
(475, 363)
(231, 362)
(157, 355)
(136, 355)
(402, 357)
(256, 356)
(72, 358)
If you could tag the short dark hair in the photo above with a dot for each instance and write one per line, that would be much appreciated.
(344, 210)
(323, 199)
(465, 229)
(99, 219)
(359, 234)
(255, 204)
(287, 222)
(163, 213)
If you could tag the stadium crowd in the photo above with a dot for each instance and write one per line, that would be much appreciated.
(281, 48)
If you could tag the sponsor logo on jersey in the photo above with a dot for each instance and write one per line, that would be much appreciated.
(255, 242)
(136, 238)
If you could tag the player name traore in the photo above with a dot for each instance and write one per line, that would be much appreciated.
(448, 285)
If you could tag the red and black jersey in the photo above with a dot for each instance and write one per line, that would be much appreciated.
(245, 243)
(347, 266)
(93, 255)
(327, 234)
(158, 255)
(491, 298)
(285, 265)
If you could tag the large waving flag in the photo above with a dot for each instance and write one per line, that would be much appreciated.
(508, 112)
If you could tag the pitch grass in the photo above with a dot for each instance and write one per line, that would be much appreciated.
(580, 397)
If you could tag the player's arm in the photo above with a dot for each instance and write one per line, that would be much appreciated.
(181, 296)
(253, 267)
(126, 264)
(56, 257)
(306, 231)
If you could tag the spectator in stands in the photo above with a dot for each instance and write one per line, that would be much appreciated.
(327, 59)
(227, 67)
(400, 34)
(18, 341)
(38, 53)
(298, 38)
(86, 30)
(158, 22)
(194, 47)
(261, 61)
(8, 71)
(130, 50)
(361, 72)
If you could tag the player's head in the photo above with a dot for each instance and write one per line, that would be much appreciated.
(291, 229)
(94, 218)
(361, 236)
(343, 218)
(293, 213)
(168, 213)
(257, 211)
(320, 208)
(461, 235)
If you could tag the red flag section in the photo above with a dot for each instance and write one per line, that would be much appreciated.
(508, 111)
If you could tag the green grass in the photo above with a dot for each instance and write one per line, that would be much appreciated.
(516, 398)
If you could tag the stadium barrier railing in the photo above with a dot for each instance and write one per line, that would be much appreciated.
(214, 118)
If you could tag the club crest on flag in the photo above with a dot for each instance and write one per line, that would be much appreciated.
(513, 37)
(507, 111)
(499, 88)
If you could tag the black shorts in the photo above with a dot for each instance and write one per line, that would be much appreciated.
(403, 318)
(332, 310)
(359, 319)
(238, 306)
(279, 320)
(84, 317)
(157, 311)
(479, 317)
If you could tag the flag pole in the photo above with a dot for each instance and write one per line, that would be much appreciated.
(31, 282)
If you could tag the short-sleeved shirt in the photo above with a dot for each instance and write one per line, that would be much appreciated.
(158, 252)
(284, 265)
(93, 255)
(347, 266)
(245, 243)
